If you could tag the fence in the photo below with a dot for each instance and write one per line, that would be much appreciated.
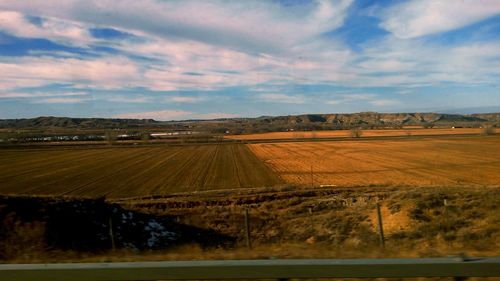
(255, 269)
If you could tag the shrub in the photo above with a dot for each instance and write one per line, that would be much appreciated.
(428, 125)
(356, 133)
(488, 130)
(111, 137)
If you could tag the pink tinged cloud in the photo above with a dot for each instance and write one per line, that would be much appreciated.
(62, 100)
(62, 31)
(422, 17)
(281, 98)
(166, 115)
(163, 115)
(114, 72)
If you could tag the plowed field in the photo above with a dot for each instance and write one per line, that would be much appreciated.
(461, 161)
(131, 171)
(364, 133)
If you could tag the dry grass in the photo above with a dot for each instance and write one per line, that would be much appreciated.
(366, 133)
(428, 162)
(341, 222)
(308, 223)
(131, 171)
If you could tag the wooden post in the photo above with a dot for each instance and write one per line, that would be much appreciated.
(111, 234)
(380, 226)
(312, 218)
(247, 229)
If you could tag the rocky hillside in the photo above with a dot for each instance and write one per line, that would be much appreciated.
(374, 118)
(366, 120)
(66, 122)
(263, 123)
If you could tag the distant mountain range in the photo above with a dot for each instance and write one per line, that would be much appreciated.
(68, 122)
(374, 118)
(263, 123)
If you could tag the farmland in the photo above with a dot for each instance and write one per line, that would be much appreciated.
(404, 162)
(130, 171)
(364, 133)
(438, 197)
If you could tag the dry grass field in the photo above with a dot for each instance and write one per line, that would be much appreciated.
(404, 162)
(130, 171)
(288, 222)
(365, 133)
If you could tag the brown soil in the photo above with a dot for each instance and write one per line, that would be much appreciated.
(428, 162)
(131, 171)
(364, 133)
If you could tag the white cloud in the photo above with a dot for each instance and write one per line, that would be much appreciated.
(333, 102)
(111, 72)
(184, 99)
(15, 95)
(166, 115)
(282, 98)
(62, 31)
(228, 43)
(62, 100)
(422, 17)
(243, 25)
(411, 62)
(351, 97)
(209, 45)
(163, 115)
(126, 99)
(215, 115)
(357, 96)
(384, 102)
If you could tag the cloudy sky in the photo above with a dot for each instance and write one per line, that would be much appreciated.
(208, 59)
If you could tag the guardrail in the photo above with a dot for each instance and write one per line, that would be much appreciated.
(254, 269)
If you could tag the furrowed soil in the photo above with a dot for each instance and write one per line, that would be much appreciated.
(404, 162)
(131, 171)
(364, 133)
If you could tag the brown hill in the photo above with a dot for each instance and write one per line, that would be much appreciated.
(264, 123)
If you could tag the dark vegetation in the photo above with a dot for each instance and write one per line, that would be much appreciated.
(35, 227)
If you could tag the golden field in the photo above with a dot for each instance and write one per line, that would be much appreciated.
(402, 162)
(364, 133)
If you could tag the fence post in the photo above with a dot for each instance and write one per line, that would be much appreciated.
(111, 234)
(311, 217)
(380, 226)
(247, 229)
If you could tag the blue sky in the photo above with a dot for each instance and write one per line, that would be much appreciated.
(172, 60)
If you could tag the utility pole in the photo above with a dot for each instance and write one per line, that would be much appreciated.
(380, 226)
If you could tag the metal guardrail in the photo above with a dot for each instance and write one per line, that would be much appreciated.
(265, 269)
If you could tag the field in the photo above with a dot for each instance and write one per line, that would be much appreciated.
(130, 171)
(142, 170)
(364, 133)
(438, 197)
(403, 162)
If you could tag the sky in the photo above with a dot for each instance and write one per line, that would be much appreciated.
(176, 60)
